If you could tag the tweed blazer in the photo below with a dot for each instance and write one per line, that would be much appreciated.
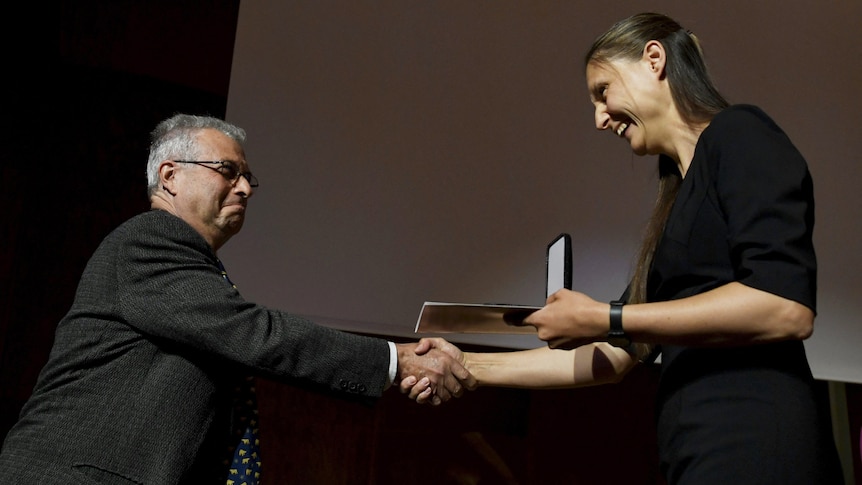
(137, 388)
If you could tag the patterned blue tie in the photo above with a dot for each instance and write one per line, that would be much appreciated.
(244, 468)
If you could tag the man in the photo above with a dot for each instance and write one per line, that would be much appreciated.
(145, 368)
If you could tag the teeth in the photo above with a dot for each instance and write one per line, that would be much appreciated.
(622, 129)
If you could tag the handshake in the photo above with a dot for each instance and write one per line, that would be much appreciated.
(432, 371)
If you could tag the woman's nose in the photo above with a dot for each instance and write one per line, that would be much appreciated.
(603, 120)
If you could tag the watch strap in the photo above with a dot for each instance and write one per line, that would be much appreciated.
(616, 335)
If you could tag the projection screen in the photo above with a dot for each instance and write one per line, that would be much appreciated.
(413, 151)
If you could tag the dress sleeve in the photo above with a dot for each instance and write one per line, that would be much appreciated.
(765, 190)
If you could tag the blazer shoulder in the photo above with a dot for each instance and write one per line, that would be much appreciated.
(158, 224)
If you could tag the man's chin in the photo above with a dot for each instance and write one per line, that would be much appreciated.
(233, 224)
(236, 224)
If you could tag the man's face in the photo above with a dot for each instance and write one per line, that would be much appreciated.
(210, 202)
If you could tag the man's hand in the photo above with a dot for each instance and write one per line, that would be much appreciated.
(419, 387)
(432, 370)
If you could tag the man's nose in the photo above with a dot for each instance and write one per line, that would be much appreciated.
(243, 187)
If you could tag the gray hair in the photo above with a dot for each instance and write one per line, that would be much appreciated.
(176, 139)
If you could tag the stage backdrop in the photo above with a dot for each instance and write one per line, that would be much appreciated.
(412, 151)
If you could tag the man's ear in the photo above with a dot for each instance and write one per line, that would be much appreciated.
(167, 173)
(655, 56)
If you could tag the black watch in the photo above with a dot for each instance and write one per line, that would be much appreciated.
(616, 335)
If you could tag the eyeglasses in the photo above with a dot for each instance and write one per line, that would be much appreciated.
(228, 170)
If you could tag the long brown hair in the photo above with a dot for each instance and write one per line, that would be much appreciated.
(694, 95)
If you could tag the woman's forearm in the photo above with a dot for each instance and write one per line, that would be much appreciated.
(733, 314)
(545, 368)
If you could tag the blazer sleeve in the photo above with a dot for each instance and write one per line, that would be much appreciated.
(172, 291)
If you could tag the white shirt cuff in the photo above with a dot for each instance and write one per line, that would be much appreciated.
(393, 363)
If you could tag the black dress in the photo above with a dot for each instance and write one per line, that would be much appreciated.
(745, 213)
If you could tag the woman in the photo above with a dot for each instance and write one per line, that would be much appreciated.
(724, 286)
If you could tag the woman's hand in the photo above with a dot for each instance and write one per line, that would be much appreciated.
(571, 319)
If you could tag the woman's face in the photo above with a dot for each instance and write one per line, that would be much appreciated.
(629, 101)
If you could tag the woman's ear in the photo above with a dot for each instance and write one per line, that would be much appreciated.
(655, 56)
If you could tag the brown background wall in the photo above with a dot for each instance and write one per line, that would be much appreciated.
(88, 82)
